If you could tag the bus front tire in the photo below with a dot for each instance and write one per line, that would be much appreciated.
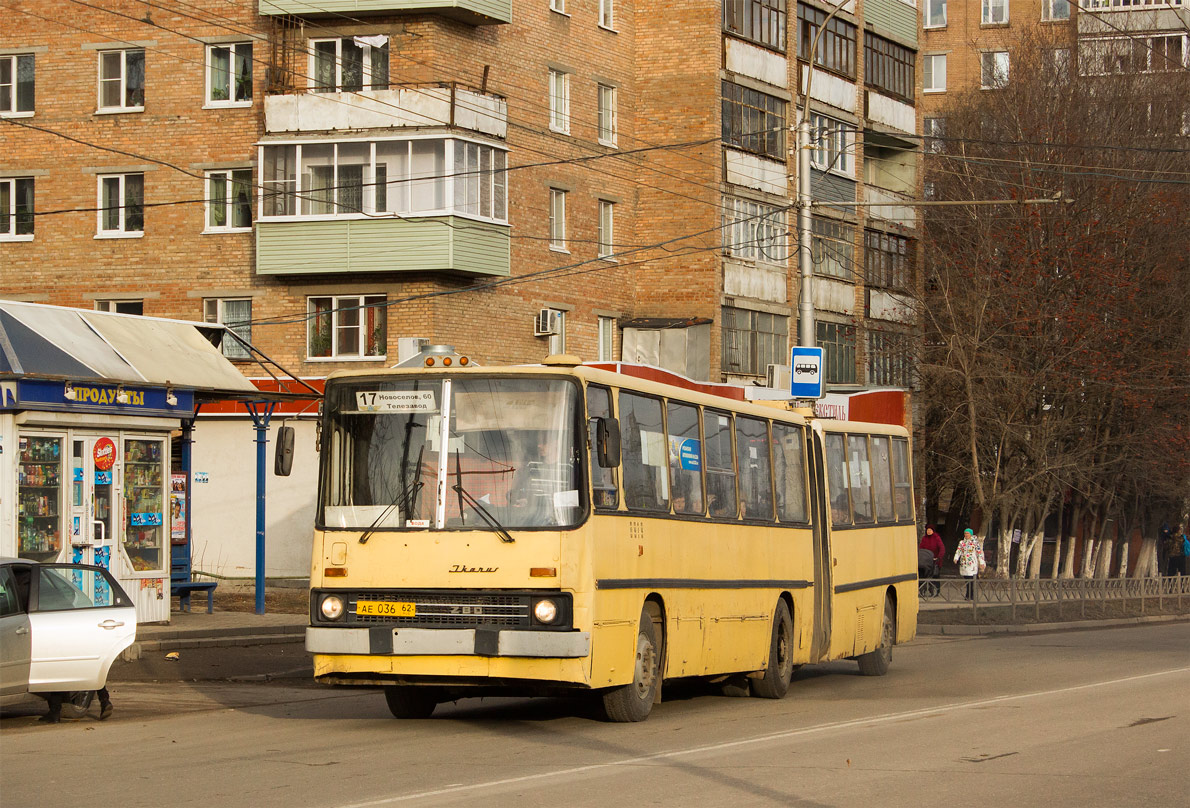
(633, 701)
(779, 670)
(410, 702)
(875, 663)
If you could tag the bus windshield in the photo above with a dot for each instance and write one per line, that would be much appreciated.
(511, 450)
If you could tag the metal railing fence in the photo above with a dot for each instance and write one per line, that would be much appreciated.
(1066, 593)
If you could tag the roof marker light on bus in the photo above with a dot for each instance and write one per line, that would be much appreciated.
(335, 572)
(429, 361)
(464, 360)
(543, 572)
(446, 361)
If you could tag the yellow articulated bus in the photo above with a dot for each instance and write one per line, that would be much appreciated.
(561, 528)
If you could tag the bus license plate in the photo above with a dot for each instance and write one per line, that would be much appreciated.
(384, 608)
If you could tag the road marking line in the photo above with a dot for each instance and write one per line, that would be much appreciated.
(758, 739)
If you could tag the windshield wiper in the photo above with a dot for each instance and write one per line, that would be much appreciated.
(477, 506)
(408, 496)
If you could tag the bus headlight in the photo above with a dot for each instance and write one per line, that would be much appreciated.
(331, 607)
(546, 611)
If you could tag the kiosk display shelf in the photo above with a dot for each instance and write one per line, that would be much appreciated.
(144, 497)
(39, 498)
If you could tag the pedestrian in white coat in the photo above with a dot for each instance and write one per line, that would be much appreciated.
(969, 556)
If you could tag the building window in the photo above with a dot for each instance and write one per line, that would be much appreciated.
(122, 205)
(753, 340)
(888, 260)
(347, 327)
(236, 314)
(16, 209)
(755, 231)
(934, 73)
(890, 359)
(1132, 54)
(229, 199)
(121, 306)
(832, 248)
(995, 12)
(360, 178)
(838, 352)
(122, 80)
(607, 331)
(836, 48)
(1055, 10)
(608, 122)
(889, 67)
(606, 14)
(607, 245)
(16, 84)
(831, 145)
(761, 21)
(560, 101)
(933, 130)
(557, 219)
(1057, 64)
(993, 70)
(558, 6)
(229, 75)
(753, 121)
(349, 65)
(934, 14)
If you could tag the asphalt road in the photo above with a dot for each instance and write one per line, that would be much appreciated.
(1086, 718)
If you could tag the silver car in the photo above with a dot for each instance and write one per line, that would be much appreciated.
(61, 627)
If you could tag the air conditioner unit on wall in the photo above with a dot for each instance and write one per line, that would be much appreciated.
(777, 377)
(546, 323)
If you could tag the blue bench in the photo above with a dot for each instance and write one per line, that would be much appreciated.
(182, 585)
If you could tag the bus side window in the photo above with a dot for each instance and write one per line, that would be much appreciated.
(902, 483)
(836, 474)
(604, 493)
(685, 457)
(721, 496)
(789, 472)
(646, 473)
(882, 480)
(756, 476)
(861, 478)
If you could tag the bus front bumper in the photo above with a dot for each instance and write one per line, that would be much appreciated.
(380, 641)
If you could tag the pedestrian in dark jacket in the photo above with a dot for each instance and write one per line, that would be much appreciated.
(933, 542)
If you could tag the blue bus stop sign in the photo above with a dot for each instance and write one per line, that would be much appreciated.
(805, 372)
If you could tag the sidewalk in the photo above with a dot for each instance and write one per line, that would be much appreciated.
(197, 629)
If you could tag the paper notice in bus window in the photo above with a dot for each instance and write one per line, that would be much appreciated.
(395, 401)
(566, 499)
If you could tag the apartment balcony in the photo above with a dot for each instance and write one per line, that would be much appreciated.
(472, 12)
(450, 244)
(1114, 17)
(889, 112)
(405, 107)
(890, 206)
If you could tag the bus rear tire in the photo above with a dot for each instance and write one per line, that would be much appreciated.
(633, 702)
(410, 702)
(779, 670)
(875, 663)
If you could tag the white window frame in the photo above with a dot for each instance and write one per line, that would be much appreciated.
(559, 90)
(990, 9)
(832, 145)
(608, 122)
(229, 180)
(558, 220)
(927, 7)
(1047, 11)
(113, 305)
(230, 102)
(11, 184)
(122, 231)
(607, 15)
(606, 336)
(214, 311)
(755, 231)
(932, 60)
(14, 65)
(931, 130)
(607, 229)
(1058, 61)
(123, 80)
(996, 80)
(559, 6)
(337, 87)
(338, 304)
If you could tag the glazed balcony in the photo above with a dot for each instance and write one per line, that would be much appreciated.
(472, 12)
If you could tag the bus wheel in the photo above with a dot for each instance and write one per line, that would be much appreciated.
(875, 663)
(632, 702)
(410, 702)
(779, 670)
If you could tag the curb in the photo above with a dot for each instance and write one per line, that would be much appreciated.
(1038, 628)
(229, 639)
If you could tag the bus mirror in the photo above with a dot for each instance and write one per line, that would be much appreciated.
(283, 462)
(607, 441)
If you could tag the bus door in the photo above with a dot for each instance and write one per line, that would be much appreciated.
(823, 577)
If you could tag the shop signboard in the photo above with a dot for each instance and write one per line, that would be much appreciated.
(37, 394)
